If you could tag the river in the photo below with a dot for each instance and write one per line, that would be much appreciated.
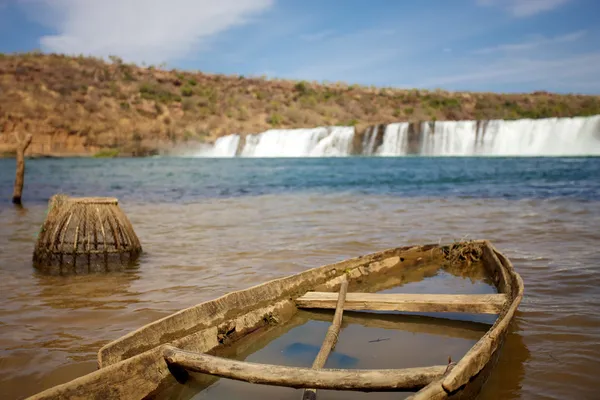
(210, 226)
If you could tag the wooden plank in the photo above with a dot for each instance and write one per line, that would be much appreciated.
(277, 375)
(330, 338)
(469, 303)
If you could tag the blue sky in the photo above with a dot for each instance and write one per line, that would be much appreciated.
(482, 45)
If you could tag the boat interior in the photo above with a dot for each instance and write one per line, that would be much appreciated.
(410, 322)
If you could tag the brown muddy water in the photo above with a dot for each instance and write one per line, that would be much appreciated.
(52, 326)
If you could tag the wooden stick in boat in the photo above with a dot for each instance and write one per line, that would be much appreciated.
(469, 303)
(330, 338)
(278, 375)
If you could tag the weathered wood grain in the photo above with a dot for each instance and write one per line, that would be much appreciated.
(469, 303)
(277, 375)
(134, 366)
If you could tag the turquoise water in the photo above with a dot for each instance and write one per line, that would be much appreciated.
(182, 180)
(211, 226)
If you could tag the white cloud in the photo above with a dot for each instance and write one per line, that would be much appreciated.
(535, 42)
(525, 8)
(140, 30)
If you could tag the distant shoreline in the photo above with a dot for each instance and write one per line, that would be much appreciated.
(84, 105)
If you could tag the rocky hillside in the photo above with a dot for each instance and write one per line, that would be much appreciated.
(85, 106)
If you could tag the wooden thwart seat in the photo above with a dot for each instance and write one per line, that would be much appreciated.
(468, 303)
(295, 377)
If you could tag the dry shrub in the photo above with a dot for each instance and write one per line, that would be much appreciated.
(462, 252)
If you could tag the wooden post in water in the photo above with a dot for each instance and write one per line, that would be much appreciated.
(22, 145)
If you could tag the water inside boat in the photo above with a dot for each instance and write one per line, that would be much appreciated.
(368, 340)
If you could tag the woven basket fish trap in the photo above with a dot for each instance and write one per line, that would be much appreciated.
(86, 234)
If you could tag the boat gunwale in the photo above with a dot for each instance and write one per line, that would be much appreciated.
(482, 352)
(330, 274)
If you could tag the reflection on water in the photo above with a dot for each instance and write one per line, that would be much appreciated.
(98, 292)
(355, 349)
(511, 368)
(52, 327)
(368, 340)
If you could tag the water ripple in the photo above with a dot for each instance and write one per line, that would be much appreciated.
(203, 245)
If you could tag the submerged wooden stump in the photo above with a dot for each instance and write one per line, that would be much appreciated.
(22, 145)
(86, 234)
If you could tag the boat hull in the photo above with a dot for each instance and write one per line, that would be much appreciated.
(133, 367)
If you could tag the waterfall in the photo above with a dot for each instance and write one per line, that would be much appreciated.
(449, 138)
(395, 140)
(225, 146)
(524, 137)
(369, 141)
(547, 137)
(316, 142)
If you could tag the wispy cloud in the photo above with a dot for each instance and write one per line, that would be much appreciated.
(346, 56)
(535, 42)
(525, 8)
(343, 67)
(382, 46)
(140, 30)
(316, 36)
(579, 68)
(385, 56)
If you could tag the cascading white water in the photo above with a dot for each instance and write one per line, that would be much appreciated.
(369, 140)
(543, 137)
(395, 140)
(337, 143)
(316, 142)
(449, 138)
(525, 137)
(226, 146)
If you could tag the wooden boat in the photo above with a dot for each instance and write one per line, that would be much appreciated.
(163, 354)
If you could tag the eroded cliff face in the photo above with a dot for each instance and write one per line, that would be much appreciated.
(85, 106)
(52, 143)
(57, 141)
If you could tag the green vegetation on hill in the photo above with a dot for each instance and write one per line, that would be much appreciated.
(87, 106)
